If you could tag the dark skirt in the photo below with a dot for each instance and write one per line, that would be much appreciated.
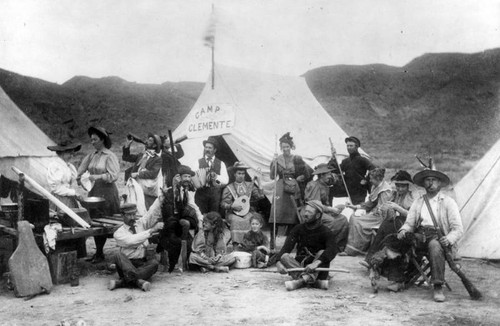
(286, 212)
(109, 192)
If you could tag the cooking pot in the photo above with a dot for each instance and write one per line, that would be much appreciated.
(93, 203)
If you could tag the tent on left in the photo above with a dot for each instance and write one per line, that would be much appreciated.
(22, 144)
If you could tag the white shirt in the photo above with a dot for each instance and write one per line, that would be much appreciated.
(424, 213)
(60, 176)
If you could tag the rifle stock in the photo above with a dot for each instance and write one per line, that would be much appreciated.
(471, 289)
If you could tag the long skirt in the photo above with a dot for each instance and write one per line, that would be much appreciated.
(226, 260)
(109, 192)
(286, 212)
(361, 233)
(340, 228)
(239, 225)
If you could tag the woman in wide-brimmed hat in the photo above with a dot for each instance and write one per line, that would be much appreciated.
(61, 174)
(103, 166)
(293, 174)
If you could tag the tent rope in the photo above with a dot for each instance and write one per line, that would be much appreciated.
(479, 185)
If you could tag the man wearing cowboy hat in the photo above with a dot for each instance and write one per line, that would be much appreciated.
(181, 214)
(147, 166)
(319, 190)
(447, 216)
(208, 196)
(316, 247)
(354, 168)
(244, 191)
(132, 265)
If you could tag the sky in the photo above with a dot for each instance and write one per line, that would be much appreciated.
(154, 41)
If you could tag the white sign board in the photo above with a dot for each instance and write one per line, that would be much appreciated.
(210, 120)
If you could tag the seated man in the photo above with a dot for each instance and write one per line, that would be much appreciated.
(132, 238)
(316, 247)
(319, 190)
(236, 199)
(444, 210)
(209, 249)
(147, 166)
(180, 214)
(383, 257)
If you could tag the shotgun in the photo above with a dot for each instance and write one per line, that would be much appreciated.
(300, 269)
(473, 292)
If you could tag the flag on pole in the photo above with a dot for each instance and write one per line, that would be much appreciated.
(209, 37)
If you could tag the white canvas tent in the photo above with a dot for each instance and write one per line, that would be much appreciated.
(478, 197)
(22, 144)
(250, 109)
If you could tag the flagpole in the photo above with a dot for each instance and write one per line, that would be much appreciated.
(213, 52)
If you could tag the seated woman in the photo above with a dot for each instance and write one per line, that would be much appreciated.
(360, 227)
(236, 200)
(383, 258)
(209, 249)
(256, 242)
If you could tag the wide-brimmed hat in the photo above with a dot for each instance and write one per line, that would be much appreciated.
(183, 169)
(419, 178)
(103, 133)
(65, 147)
(157, 140)
(322, 168)
(402, 177)
(354, 140)
(212, 140)
(316, 204)
(239, 166)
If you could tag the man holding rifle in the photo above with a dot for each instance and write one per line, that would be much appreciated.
(443, 218)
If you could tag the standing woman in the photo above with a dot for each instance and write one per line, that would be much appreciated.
(61, 175)
(293, 174)
(103, 167)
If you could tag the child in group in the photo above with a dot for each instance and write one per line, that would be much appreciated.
(256, 243)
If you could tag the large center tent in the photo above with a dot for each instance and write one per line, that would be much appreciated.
(250, 110)
(22, 144)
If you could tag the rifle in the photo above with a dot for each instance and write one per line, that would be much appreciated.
(332, 148)
(300, 269)
(272, 244)
(473, 292)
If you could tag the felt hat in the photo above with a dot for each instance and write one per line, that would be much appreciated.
(212, 140)
(402, 177)
(354, 140)
(316, 204)
(239, 166)
(322, 168)
(286, 138)
(103, 133)
(419, 178)
(128, 208)
(157, 140)
(65, 147)
(183, 169)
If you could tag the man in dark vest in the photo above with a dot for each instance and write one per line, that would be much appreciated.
(208, 196)
(354, 169)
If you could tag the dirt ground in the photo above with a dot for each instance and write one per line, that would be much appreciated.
(246, 297)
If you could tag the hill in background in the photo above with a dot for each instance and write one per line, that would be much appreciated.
(445, 105)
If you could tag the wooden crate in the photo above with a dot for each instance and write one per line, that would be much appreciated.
(63, 266)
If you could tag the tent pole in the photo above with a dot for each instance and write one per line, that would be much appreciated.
(213, 66)
(273, 236)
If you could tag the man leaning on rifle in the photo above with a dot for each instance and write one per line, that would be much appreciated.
(419, 220)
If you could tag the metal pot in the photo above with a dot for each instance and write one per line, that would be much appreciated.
(93, 203)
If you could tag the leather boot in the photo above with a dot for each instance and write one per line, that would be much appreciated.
(321, 284)
(144, 285)
(115, 284)
(295, 284)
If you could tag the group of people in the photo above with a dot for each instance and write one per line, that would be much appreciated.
(201, 212)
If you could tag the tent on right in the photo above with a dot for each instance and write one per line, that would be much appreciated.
(478, 197)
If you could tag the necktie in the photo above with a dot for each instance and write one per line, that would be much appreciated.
(132, 229)
(241, 190)
(185, 197)
(209, 162)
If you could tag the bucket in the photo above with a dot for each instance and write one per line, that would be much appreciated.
(243, 259)
(10, 212)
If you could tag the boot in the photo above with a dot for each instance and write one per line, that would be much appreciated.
(321, 284)
(115, 284)
(281, 268)
(144, 285)
(438, 293)
(295, 284)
